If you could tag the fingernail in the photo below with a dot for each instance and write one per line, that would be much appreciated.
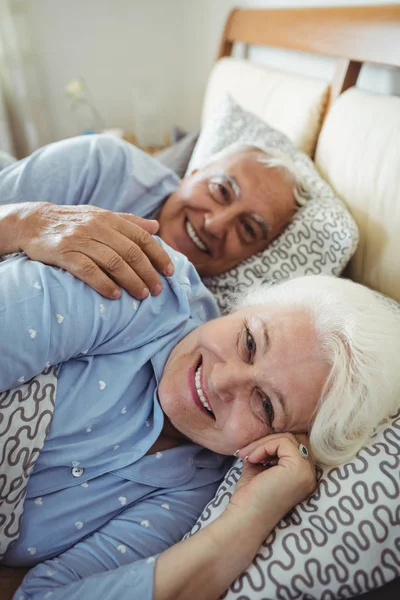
(236, 452)
(169, 270)
(115, 295)
(246, 458)
(156, 289)
(145, 293)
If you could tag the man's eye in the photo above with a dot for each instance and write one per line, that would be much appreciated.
(219, 192)
(250, 346)
(248, 232)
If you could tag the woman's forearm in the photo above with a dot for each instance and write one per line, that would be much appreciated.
(203, 566)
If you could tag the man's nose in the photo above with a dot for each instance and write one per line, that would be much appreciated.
(218, 222)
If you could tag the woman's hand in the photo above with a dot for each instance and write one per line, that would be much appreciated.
(266, 495)
(99, 247)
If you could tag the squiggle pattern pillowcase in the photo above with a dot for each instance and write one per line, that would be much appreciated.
(343, 541)
(321, 237)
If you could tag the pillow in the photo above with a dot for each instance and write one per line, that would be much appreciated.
(343, 541)
(321, 237)
(177, 156)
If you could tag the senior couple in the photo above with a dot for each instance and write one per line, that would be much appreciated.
(156, 394)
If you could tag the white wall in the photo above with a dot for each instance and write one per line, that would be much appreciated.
(130, 53)
(204, 23)
(149, 60)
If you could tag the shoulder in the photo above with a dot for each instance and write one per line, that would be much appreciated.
(187, 287)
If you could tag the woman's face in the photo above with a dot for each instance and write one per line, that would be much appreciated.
(241, 377)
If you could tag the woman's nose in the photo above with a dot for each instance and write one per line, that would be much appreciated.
(228, 380)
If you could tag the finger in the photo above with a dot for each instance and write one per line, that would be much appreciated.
(247, 450)
(126, 263)
(111, 261)
(155, 253)
(149, 225)
(280, 447)
(89, 272)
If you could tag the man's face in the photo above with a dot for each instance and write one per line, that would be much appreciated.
(228, 211)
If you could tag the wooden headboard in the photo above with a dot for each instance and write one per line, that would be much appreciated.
(353, 35)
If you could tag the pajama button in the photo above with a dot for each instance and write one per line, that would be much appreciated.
(77, 472)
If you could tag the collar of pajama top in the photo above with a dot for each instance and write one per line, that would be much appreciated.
(107, 416)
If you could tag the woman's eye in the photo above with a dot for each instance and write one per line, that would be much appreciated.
(250, 345)
(268, 409)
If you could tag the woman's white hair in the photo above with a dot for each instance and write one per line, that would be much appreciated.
(359, 336)
(272, 158)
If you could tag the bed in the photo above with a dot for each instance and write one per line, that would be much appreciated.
(354, 138)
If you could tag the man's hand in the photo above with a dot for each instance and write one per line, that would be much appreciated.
(99, 247)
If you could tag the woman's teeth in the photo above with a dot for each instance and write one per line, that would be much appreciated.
(194, 237)
(200, 391)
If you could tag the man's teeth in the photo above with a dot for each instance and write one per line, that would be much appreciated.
(194, 237)
(200, 391)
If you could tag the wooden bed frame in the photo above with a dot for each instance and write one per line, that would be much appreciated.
(353, 35)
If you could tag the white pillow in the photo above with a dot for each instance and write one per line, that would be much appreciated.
(321, 237)
(341, 542)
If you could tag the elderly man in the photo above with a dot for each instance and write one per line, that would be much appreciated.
(231, 208)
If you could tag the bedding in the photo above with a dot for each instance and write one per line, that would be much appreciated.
(177, 156)
(25, 417)
(294, 104)
(343, 541)
(321, 237)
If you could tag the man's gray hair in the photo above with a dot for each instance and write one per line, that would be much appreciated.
(359, 337)
(272, 158)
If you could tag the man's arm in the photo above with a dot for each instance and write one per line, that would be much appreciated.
(89, 173)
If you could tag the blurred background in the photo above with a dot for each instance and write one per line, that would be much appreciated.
(138, 67)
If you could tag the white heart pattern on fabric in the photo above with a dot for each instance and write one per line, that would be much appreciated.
(37, 285)
(32, 551)
(122, 499)
(102, 384)
(121, 548)
(79, 524)
(145, 523)
(59, 318)
(32, 333)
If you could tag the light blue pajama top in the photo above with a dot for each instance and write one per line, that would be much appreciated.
(98, 510)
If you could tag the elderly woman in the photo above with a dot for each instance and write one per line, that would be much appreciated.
(153, 401)
(228, 210)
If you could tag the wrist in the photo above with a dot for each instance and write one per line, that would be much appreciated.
(259, 522)
(11, 228)
(26, 223)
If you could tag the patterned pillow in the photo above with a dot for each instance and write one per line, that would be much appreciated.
(321, 237)
(343, 541)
